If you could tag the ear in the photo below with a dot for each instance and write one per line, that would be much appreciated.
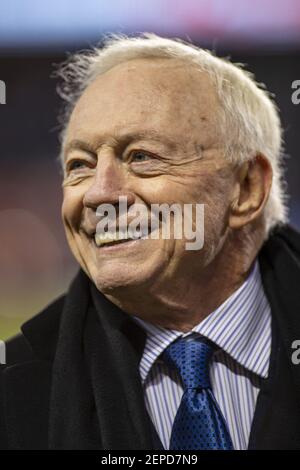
(251, 191)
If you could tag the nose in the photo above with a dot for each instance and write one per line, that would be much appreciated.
(108, 184)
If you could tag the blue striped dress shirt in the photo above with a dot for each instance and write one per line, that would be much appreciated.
(241, 327)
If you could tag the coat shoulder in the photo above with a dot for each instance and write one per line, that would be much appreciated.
(291, 237)
(38, 336)
(28, 367)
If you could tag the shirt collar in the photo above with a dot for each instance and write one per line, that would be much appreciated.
(241, 327)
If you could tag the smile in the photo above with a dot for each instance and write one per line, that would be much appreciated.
(110, 238)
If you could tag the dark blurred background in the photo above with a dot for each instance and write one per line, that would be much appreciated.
(35, 264)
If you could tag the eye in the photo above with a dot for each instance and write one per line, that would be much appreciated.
(76, 165)
(139, 156)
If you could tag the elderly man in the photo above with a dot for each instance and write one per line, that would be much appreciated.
(158, 345)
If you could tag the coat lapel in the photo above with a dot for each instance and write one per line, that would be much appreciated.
(276, 423)
(122, 417)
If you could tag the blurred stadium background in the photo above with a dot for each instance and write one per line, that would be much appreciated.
(35, 264)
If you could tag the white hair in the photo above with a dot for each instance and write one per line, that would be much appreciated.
(249, 119)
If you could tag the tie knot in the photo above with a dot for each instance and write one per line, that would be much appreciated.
(191, 357)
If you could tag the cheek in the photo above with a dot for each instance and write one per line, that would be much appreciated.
(216, 218)
(72, 207)
(214, 191)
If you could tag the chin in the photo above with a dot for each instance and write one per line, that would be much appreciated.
(109, 281)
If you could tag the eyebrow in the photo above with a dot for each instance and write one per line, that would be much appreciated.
(78, 144)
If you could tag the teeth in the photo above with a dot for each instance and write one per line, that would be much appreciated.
(108, 237)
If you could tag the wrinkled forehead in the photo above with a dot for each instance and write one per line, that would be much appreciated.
(168, 94)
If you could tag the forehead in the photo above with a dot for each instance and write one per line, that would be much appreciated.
(157, 93)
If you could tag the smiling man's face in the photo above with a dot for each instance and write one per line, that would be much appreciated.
(146, 129)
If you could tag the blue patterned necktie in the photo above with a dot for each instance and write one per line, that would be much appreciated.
(199, 423)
